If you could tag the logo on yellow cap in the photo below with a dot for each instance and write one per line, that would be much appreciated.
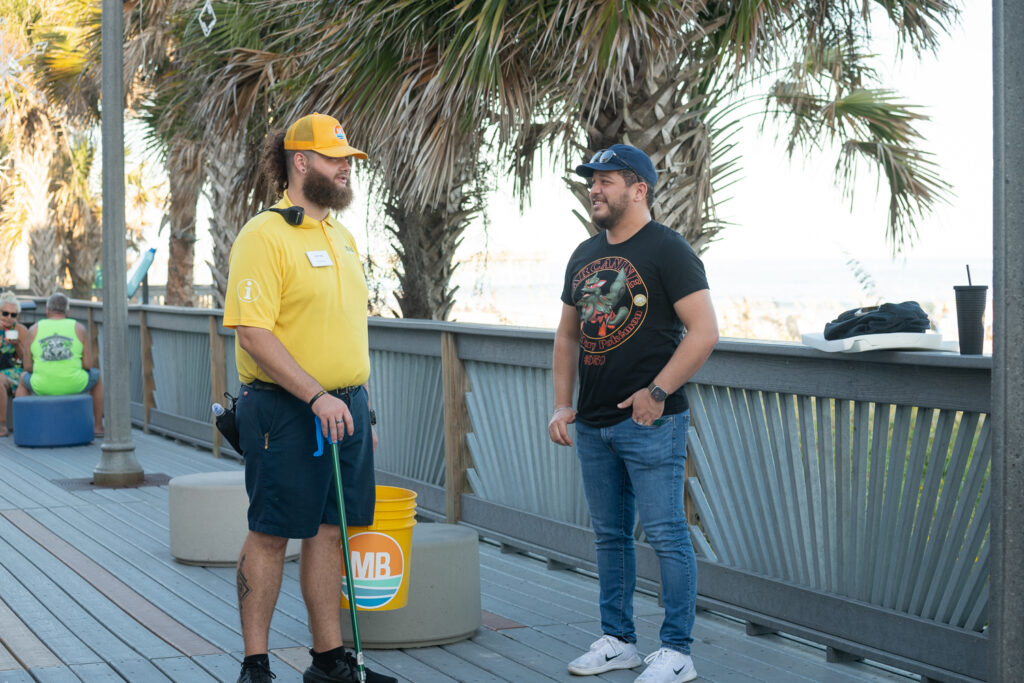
(339, 133)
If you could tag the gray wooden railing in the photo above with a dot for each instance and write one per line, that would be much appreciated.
(842, 498)
(847, 496)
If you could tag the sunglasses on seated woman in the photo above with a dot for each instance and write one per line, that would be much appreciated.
(9, 314)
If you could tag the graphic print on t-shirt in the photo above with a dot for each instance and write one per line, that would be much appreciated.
(56, 347)
(611, 299)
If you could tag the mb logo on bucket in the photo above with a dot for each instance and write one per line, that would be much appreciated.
(378, 564)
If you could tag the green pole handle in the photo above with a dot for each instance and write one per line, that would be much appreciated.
(347, 559)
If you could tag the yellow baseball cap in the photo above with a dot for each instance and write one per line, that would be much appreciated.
(322, 134)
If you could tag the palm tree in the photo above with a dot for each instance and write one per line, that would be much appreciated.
(35, 139)
(680, 102)
(431, 82)
(407, 87)
(76, 214)
(9, 233)
(258, 69)
(150, 60)
(32, 137)
(185, 176)
(229, 168)
(827, 92)
(662, 76)
(440, 78)
(52, 194)
(225, 106)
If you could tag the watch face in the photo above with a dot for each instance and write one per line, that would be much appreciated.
(657, 393)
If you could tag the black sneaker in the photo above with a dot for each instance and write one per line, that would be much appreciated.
(371, 676)
(341, 673)
(255, 673)
(345, 671)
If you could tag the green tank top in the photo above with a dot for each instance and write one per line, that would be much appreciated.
(57, 359)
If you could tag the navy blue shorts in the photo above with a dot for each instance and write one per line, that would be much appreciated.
(291, 491)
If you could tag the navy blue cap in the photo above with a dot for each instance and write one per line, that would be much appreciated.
(621, 158)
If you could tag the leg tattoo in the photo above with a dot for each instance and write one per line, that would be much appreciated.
(241, 582)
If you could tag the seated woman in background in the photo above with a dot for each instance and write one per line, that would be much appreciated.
(11, 355)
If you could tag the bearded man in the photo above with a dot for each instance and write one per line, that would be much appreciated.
(296, 297)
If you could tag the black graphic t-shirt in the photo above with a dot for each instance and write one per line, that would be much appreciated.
(624, 294)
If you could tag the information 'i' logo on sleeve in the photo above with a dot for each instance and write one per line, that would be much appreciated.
(248, 291)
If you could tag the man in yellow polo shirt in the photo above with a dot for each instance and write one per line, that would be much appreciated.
(296, 296)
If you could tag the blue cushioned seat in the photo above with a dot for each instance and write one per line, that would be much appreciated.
(53, 420)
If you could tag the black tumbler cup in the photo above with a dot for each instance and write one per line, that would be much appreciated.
(970, 317)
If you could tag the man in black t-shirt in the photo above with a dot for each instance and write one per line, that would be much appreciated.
(630, 290)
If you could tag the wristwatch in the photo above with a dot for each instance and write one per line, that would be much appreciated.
(657, 393)
(373, 418)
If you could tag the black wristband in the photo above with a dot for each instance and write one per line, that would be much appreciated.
(315, 397)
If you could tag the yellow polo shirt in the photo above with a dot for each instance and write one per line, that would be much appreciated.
(305, 284)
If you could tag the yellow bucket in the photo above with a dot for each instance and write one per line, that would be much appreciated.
(381, 552)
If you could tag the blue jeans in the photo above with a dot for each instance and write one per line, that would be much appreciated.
(629, 467)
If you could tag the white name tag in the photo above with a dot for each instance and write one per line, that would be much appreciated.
(319, 259)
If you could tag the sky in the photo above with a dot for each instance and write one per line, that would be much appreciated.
(804, 210)
(791, 231)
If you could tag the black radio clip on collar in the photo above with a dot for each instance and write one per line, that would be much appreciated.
(293, 215)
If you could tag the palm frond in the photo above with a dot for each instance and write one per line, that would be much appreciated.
(921, 23)
(913, 180)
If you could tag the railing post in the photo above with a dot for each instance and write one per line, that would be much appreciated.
(218, 374)
(148, 382)
(1006, 611)
(456, 426)
(94, 339)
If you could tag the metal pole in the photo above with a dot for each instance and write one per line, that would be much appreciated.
(117, 466)
(1006, 613)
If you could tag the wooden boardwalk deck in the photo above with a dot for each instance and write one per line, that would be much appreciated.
(89, 591)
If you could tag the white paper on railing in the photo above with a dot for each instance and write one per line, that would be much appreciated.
(904, 341)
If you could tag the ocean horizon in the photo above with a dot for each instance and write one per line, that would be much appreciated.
(760, 299)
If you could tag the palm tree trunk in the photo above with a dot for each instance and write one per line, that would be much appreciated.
(427, 237)
(44, 266)
(7, 272)
(186, 177)
(35, 140)
(82, 248)
(9, 234)
(424, 249)
(229, 191)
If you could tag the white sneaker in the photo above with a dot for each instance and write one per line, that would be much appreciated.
(667, 666)
(605, 654)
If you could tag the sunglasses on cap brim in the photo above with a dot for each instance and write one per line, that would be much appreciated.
(604, 155)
